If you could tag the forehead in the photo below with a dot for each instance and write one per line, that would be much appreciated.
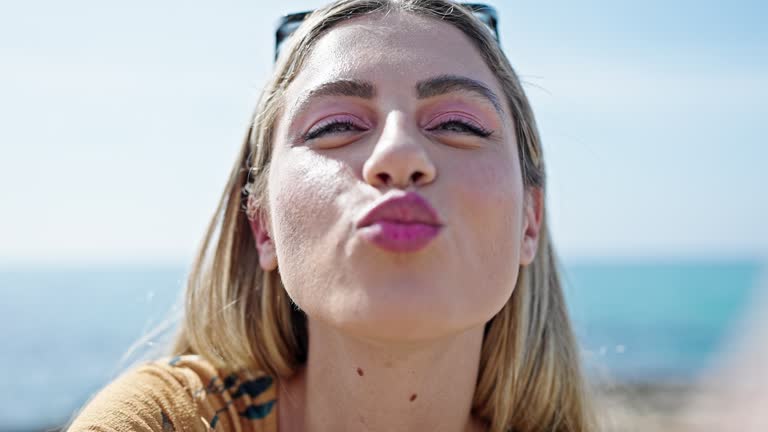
(396, 49)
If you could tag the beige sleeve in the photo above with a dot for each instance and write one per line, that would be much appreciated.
(148, 398)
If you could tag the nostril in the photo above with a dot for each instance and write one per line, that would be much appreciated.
(384, 177)
(416, 176)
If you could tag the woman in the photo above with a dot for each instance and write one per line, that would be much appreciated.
(380, 258)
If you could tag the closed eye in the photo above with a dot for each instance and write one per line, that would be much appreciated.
(460, 126)
(332, 126)
(458, 123)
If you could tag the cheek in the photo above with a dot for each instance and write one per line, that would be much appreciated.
(302, 189)
(307, 194)
(490, 192)
(489, 195)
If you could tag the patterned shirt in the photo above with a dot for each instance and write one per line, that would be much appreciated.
(184, 393)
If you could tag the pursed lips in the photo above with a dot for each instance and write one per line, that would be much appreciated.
(407, 208)
(401, 223)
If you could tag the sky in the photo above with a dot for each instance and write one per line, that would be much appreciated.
(120, 123)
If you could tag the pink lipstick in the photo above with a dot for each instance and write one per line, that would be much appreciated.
(404, 222)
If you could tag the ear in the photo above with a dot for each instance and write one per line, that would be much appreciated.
(264, 243)
(533, 215)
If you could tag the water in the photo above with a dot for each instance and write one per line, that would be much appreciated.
(648, 321)
(64, 331)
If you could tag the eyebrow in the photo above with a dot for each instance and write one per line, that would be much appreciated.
(344, 87)
(431, 87)
(444, 84)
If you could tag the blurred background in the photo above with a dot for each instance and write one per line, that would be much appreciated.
(120, 122)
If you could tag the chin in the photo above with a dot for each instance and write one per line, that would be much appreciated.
(405, 318)
(398, 329)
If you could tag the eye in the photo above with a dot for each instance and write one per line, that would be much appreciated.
(458, 124)
(337, 125)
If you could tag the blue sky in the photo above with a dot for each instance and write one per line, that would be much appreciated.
(120, 123)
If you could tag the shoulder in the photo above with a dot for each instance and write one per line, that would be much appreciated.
(179, 394)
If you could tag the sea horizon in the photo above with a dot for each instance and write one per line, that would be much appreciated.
(639, 321)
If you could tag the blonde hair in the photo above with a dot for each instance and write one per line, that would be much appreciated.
(239, 316)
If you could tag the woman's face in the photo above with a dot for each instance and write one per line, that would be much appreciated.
(408, 98)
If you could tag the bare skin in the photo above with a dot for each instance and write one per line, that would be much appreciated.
(394, 338)
(414, 387)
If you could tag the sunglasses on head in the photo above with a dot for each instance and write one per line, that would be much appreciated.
(289, 23)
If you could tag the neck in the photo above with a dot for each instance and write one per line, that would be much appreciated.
(350, 383)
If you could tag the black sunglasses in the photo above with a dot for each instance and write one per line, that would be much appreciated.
(289, 23)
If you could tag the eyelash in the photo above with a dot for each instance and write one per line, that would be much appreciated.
(466, 126)
(322, 130)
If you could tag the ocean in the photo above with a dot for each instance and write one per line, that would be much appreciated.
(64, 331)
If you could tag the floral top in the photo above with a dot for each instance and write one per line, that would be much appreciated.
(184, 393)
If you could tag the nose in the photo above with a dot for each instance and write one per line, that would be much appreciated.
(399, 158)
